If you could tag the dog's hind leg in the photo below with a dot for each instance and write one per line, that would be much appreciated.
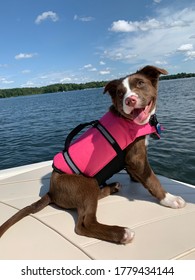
(88, 225)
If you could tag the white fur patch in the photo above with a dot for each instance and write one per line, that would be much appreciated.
(127, 109)
(153, 111)
(173, 201)
(147, 140)
(128, 236)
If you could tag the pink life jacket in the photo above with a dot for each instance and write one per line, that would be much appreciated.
(99, 152)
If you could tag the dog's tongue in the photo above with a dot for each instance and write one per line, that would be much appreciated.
(140, 115)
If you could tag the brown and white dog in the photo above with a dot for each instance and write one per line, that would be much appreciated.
(133, 97)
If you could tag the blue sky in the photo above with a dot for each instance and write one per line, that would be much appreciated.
(76, 41)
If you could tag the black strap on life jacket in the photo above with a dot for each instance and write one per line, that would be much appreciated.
(96, 124)
(67, 143)
(154, 122)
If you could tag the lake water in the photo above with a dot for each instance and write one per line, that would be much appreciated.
(33, 128)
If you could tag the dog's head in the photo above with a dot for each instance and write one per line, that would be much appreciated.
(134, 96)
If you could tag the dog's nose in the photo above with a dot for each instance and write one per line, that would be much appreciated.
(131, 100)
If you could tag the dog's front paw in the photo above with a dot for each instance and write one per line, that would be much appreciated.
(173, 201)
(128, 236)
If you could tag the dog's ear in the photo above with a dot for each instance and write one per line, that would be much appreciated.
(111, 87)
(152, 73)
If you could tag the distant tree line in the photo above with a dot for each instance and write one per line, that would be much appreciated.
(49, 89)
(71, 86)
(178, 76)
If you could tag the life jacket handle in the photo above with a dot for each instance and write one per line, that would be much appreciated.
(75, 131)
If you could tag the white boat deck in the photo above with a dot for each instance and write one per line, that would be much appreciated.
(160, 232)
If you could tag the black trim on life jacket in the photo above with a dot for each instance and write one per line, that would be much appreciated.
(67, 143)
(114, 166)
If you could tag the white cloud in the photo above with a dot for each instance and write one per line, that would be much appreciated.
(102, 63)
(47, 15)
(161, 62)
(44, 77)
(120, 54)
(54, 78)
(185, 47)
(190, 55)
(188, 51)
(104, 72)
(156, 39)
(5, 81)
(28, 84)
(66, 79)
(83, 18)
(93, 69)
(123, 26)
(25, 55)
(157, 1)
(87, 66)
(145, 25)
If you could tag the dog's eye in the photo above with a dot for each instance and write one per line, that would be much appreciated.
(140, 83)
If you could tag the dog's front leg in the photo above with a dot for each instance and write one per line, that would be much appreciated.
(138, 166)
